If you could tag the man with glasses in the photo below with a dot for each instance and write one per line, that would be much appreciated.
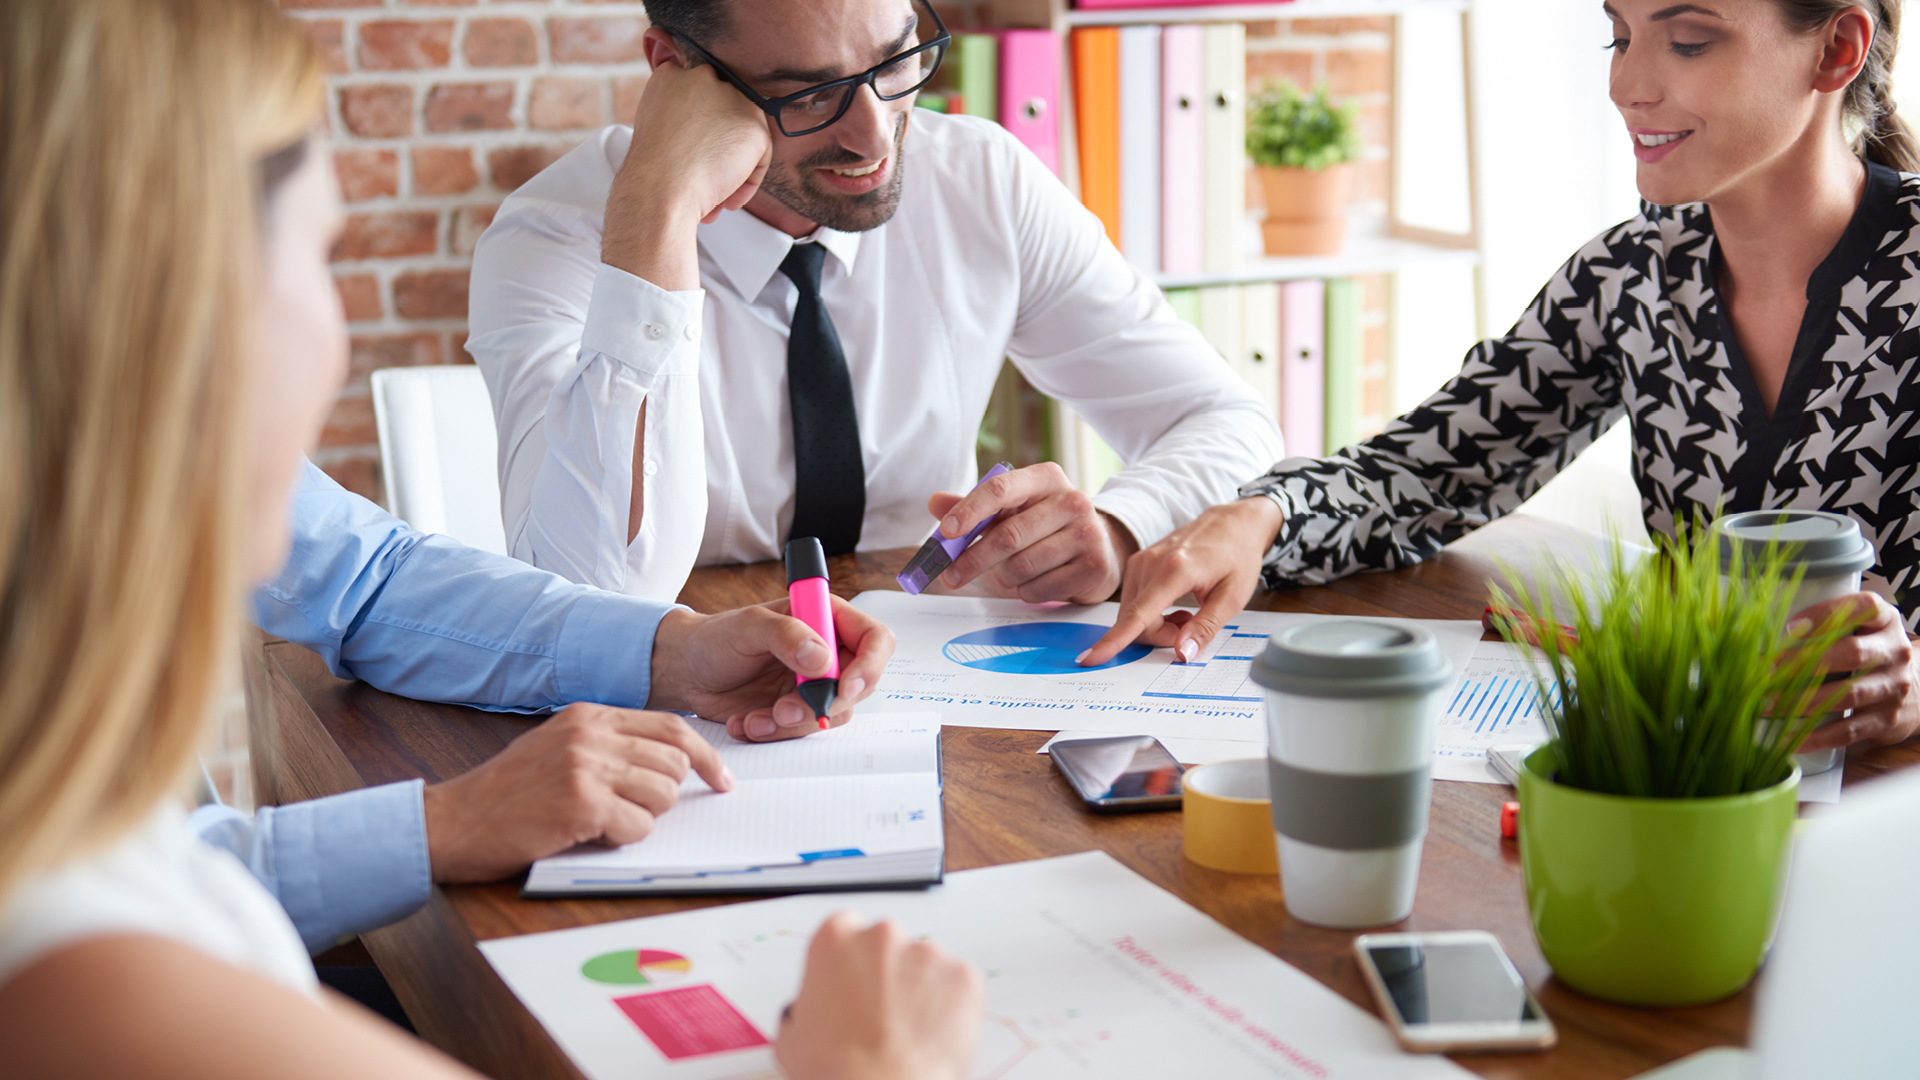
(777, 307)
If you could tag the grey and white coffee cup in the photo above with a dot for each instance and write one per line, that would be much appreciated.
(1828, 548)
(1352, 706)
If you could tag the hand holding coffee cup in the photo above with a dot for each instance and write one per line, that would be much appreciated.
(1882, 699)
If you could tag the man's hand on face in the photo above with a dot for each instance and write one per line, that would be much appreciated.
(740, 666)
(1048, 544)
(590, 774)
(699, 147)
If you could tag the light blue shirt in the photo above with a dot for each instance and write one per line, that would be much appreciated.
(425, 617)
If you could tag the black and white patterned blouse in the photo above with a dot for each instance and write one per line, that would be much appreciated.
(1633, 325)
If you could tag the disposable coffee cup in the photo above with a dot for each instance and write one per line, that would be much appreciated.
(1828, 548)
(1352, 705)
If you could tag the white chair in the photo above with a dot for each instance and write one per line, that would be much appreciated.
(439, 452)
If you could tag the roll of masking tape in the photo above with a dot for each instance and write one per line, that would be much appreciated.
(1228, 817)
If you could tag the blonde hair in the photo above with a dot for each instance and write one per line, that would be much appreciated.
(131, 139)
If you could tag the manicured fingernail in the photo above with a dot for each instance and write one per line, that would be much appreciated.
(811, 656)
(761, 726)
(790, 714)
(727, 780)
(1799, 627)
(1082, 658)
(1185, 651)
(951, 527)
(854, 687)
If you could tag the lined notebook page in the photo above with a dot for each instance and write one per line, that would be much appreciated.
(873, 785)
(882, 743)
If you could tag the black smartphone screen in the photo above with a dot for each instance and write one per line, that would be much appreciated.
(1124, 769)
(1452, 983)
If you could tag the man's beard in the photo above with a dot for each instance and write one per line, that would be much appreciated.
(794, 187)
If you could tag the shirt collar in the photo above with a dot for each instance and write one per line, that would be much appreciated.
(748, 251)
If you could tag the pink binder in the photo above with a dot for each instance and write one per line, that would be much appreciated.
(1030, 91)
(1183, 106)
(1303, 373)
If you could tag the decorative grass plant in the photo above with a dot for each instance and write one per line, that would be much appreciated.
(1308, 131)
(1677, 681)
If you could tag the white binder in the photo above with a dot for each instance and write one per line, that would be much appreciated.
(1140, 146)
(1224, 137)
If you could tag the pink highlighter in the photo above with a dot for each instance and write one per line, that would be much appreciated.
(812, 604)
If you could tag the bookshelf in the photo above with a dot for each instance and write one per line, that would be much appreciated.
(1430, 47)
(1371, 248)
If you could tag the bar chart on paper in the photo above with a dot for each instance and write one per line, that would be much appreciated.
(1495, 702)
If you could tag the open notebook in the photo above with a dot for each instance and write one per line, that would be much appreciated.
(854, 807)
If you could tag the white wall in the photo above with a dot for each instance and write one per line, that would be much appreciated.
(1555, 169)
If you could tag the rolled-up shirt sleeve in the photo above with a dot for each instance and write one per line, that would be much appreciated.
(573, 350)
(1098, 335)
(426, 617)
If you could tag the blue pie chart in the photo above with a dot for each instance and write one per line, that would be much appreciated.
(1037, 648)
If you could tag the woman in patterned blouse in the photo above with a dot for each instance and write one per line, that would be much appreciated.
(1755, 324)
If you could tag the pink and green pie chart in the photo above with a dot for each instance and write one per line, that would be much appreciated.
(636, 967)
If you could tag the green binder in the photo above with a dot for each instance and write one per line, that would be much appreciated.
(976, 58)
(1343, 363)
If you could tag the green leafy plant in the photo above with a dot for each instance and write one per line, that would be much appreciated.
(1286, 127)
(1677, 680)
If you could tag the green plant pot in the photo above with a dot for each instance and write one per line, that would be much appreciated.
(1652, 901)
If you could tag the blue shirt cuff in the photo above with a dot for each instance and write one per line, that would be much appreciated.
(339, 865)
(605, 651)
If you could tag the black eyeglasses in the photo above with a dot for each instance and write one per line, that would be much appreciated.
(822, 106)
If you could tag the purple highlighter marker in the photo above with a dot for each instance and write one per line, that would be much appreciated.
(938, 553)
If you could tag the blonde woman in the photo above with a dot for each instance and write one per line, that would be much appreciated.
(165, 355)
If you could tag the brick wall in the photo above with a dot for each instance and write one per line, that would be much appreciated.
(1353, 58)
(439, 108)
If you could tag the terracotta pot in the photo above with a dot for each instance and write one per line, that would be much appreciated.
(1306, 208)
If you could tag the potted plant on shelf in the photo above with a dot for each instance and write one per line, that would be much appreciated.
(1654, 824)
(1303, 147)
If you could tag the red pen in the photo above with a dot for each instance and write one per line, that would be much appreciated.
(812, 604)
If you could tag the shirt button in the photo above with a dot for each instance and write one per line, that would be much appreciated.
(655, 331)
(650, 468)
(693, 334)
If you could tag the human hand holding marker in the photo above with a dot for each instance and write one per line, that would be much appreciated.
(739, 667)
(1044, 540)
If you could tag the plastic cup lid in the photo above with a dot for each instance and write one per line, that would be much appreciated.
(1826, 545)
(1352, 658)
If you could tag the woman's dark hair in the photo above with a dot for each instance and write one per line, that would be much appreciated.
(1884, 136)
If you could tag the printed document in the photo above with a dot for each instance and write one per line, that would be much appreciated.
(1090, 970)
(1008, 664)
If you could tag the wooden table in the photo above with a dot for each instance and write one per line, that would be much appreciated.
(1004, 804)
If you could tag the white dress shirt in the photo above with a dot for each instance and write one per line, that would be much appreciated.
(988, 257)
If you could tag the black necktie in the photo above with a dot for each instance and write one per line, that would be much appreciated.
(829, 479)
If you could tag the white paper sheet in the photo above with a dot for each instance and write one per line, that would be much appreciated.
(1090, 971)
(1493, 702)
(873, 785)
(1006, 664)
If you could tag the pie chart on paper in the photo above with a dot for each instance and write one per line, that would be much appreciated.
(636, 967)
(1036, 648)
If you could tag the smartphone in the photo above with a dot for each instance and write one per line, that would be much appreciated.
(1120, 774)
(1505, 760)
(1452, 990)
